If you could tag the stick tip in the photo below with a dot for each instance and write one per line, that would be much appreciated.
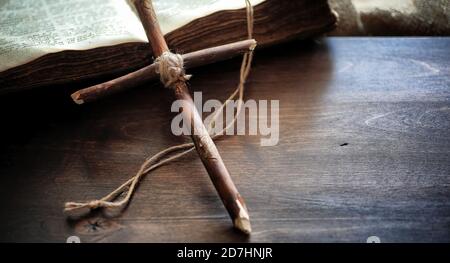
(242, 221)
(253, 45)
(243, 224)
(76, 98)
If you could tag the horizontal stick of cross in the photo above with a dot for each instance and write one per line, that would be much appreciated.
(206, 149)
(136, 78)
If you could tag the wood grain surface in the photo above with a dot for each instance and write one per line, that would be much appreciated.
(364, 151)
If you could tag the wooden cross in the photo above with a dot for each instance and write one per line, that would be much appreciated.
(206, 149)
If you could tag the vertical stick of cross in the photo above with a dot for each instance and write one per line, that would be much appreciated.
(175, 78)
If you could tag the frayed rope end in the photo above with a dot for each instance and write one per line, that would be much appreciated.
(77, 210)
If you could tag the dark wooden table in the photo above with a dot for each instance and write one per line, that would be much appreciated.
(364, 151)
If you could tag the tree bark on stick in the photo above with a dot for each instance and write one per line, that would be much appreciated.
(205, 146)
(141, 76)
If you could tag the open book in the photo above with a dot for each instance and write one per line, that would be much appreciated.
(57, 41)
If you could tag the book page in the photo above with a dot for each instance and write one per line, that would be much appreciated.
(173, 14)
(30, 29)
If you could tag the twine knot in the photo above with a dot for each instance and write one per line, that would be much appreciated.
(171, 68)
